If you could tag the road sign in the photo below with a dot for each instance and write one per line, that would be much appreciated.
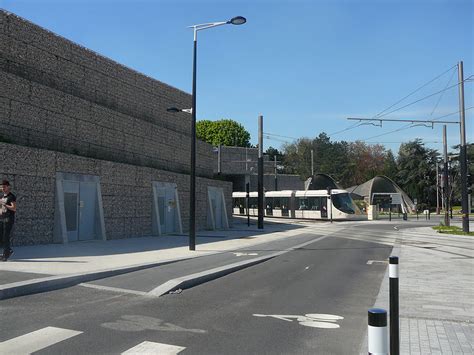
(378, 199)
(396, 199)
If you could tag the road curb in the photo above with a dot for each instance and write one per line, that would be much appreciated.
(51, 283)
(212, 274)
(208, 275)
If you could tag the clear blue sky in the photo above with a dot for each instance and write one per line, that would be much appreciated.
(305, 65)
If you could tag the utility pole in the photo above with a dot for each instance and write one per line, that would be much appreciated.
(260, 172)
(276, 179)
(437, 188)
(463, 155)
(312, 162)
(445, 178)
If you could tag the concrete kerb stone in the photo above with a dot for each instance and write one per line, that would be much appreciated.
(208, 275)
(51, 283)
(212, 274)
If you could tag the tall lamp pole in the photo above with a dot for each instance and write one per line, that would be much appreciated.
(239, 20)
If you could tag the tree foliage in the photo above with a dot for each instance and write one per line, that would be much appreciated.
(223, 132)
(417, 171)
(348, 163)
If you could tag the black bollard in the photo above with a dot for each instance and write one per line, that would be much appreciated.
(394, 307)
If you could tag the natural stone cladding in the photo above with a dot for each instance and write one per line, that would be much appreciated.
(64, 108)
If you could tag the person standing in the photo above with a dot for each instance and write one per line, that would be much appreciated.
(7, 218)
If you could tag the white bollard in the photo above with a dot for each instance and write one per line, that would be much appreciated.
(377, 332)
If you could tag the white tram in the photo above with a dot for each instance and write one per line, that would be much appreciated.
(311, 204)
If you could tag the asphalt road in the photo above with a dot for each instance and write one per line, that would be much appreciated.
(311, 300)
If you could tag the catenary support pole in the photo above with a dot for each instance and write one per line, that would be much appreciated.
(437, 188)
(463, 155)
(445, 178)
(260, 172)
(394, 306)
(276, 178)
(247, 197)
(377, 332)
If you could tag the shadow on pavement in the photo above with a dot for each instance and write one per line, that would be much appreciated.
(143, 244)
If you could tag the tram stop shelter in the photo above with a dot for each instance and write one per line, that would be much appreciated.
(384, 192)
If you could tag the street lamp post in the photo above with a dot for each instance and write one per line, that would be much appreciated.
(239, 20)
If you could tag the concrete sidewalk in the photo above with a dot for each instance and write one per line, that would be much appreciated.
(436, 290)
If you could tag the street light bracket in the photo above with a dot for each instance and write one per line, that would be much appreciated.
(238, 20)
(175, 110)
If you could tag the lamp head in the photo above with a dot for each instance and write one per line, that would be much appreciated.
(238, 20)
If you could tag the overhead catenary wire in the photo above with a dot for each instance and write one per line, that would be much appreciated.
(357, 124)
(423, 98)
(277, 135)
(379, 115)
(442, 94)
(413, 92)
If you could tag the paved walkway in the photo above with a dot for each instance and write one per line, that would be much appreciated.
(436, 273)
(436, 292)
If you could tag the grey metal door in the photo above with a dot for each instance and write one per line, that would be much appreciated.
(87, 210)
(215, 200)
(170, 211)
(71, 209)
(80, 209)
(167, 209)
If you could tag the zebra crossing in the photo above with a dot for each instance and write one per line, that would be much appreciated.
(37, 340)
(457, 247)
(43, 338)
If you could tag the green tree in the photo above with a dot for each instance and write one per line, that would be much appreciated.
(455, 170)
(366, 161)
(329, 157)
(272, 152)
(416, 171)
(223, 132)
(390, 166)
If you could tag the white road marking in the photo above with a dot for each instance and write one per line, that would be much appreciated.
(313, 320)
(244, 254)
(370, 262)
(37, 340)
(114, 289)
(306, 268)
(323, 325)
(149, 347)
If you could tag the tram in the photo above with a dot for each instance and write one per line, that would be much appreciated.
(310, 204)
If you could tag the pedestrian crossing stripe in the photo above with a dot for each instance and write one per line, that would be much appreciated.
(37, 340)
(149, 347)
(45, 337)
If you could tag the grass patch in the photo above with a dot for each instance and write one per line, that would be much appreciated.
(451, 230)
